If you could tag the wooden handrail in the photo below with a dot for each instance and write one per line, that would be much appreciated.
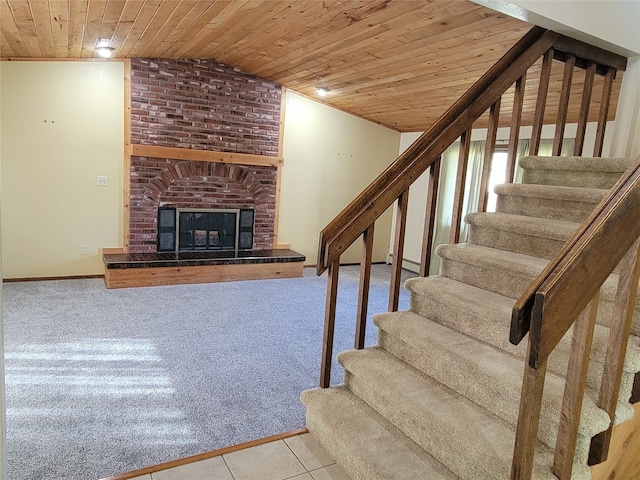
(343, 230)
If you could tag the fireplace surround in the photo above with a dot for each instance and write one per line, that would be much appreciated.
(197, 230)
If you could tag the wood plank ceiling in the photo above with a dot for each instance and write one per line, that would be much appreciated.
(399, 63)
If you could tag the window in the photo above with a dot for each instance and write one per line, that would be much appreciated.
(496, 177)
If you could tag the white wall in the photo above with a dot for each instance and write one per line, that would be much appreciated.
(626, 137)
(62, 126)
(329, 158)
(608, 24)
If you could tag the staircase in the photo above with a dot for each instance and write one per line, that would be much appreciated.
(438, 396)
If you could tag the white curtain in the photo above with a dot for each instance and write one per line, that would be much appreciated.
(447, 185)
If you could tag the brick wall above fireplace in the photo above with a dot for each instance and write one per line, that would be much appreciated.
(204, 105)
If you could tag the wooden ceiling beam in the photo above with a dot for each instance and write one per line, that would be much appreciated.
(77, 16)
(223, 21)
(161, 16)
(5, 46)
(95, 12)
(173, 33)
(59, 17)
(19, 27)
(128, 16)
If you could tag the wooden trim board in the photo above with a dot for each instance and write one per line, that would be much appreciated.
(112, 250)
(157, 276)
(205, 155)
(206, 455)
(126, 186)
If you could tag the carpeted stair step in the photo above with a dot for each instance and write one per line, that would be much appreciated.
(548, 201)
(605, 310)
(447, 425)
(486, 316)
(362, 442)
(510, 274)
(573, 171)
(490, 377)
(498, 271)
(537, 237)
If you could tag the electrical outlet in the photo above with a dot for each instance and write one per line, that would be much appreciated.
(102, 180)
(83, 249)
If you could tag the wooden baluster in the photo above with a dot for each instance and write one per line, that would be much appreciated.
(430, 217)
(605, 101)
(489, 149)
(329, 323)
(621, 320)
(584, 108)
(528, 420)
(398, 249)
(514, 132)
(563, 107)
(574, 390)
(541, 102)
(635, 393)
(461, 180)
(363, 292)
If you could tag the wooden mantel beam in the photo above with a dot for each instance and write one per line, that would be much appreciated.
(205, 155)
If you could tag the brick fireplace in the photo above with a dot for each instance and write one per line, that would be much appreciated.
(205, 136)
(163, 182)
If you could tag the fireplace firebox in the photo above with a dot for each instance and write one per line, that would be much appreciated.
(188, 230)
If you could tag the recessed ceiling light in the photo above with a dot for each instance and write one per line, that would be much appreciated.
(322, 91)
(105, 52)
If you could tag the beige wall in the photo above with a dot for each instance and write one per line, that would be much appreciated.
(62, 126)
(3, 410)
(49, 169)
(329, 158)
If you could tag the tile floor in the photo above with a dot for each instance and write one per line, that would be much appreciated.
(294, 458)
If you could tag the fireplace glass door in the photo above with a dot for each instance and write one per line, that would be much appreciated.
(207, 230)
(188, 230)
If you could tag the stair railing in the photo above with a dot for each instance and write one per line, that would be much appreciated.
(566, 294)
(484, 97)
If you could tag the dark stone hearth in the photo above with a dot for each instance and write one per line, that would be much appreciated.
(183, 259)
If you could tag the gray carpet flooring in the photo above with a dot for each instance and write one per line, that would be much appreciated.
(101, 381)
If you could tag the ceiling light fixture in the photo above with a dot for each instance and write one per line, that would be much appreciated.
(105, 52)
(322, 91)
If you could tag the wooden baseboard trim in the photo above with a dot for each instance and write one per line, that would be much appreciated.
(206, 455)
(44, 279)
